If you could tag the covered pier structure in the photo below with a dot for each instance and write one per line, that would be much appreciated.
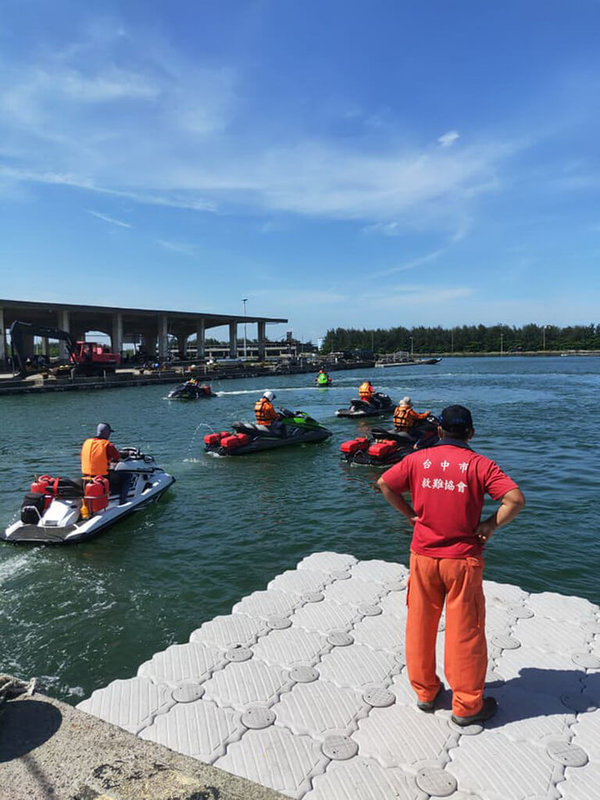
(151, 328)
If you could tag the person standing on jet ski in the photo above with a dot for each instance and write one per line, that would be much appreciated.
(96, 456)
(366, 391)
(266, 416)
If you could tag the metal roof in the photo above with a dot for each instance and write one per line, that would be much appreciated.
(93, 317)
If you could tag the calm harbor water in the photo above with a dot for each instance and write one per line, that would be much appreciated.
(83, 615)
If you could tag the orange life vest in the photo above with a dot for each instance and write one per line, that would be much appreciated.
(405, 417)
(365, 391)
(94, 459)
(264, 411)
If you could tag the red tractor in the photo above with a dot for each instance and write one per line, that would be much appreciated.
(87, 358)
(86, 354)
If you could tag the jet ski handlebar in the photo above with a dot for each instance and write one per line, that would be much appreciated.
(130, 452)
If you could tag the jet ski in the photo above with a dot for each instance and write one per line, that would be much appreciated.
(61, 511)
(190, 391)
(385, 448)
(296, 428)
(323, 379)
(379, 404)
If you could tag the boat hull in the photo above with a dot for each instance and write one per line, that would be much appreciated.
(62, 522)
(262, 443)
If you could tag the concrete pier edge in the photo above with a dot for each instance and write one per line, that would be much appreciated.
(52, 751)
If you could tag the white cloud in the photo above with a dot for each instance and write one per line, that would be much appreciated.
(112, 84)
(300, 297)
(174, 200)
(448, 139)
(106, 218)
(177, 247)
(407, 296)
(161, 131)
(415, 262)
(319, 179)
(384, 228)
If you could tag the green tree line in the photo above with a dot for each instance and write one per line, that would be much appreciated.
(464, 339)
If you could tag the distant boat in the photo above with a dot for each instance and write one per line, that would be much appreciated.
(403, 359)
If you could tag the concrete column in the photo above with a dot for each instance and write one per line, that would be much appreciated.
(148, 342)
(233, 339)
(182, 340)
(163, 336)
(261, 340)
(2, 336)
(64, 325)
(116, 339)
(200, 338)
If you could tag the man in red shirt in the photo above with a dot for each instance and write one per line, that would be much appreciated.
(447, 483)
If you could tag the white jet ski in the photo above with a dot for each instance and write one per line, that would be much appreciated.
(61, 511)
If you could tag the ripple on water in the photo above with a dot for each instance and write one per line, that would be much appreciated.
(87, 614)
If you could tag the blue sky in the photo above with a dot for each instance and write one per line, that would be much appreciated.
(364, 164)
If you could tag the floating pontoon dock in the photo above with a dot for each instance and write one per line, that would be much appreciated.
(303, 688)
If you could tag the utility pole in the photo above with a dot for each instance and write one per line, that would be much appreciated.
(501, 344)
(412, 348)
(544, 337)
(244, 301)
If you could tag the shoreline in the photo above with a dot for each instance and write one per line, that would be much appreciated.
(126, 378)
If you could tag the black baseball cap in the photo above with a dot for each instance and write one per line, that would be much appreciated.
(103, 431)
(456, 419)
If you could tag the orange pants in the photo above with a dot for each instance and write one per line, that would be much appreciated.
(458, 582)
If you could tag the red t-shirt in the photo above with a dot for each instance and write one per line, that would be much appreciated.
(447, 483)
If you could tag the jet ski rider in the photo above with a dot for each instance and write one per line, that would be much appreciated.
(266, 417)
(405, 417)
(96, 455)
(366, 391)
(322, 378)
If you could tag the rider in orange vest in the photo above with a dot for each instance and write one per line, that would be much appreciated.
(264, 410)
(96, 455)
(405, 417)
(365, 391)
(266, 416)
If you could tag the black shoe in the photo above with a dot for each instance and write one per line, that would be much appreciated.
(488, 709)
(429, 705)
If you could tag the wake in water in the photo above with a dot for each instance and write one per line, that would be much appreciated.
(12, 567)
(276, 389)
(188, 456)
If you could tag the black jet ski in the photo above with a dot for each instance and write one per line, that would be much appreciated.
(378, 405)
(296, 428)
(190, 391)
(61, 511)
(385, 447)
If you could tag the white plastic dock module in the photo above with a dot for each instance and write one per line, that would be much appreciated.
(303, 688)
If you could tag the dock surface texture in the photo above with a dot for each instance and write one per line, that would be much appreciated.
(303, 688)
